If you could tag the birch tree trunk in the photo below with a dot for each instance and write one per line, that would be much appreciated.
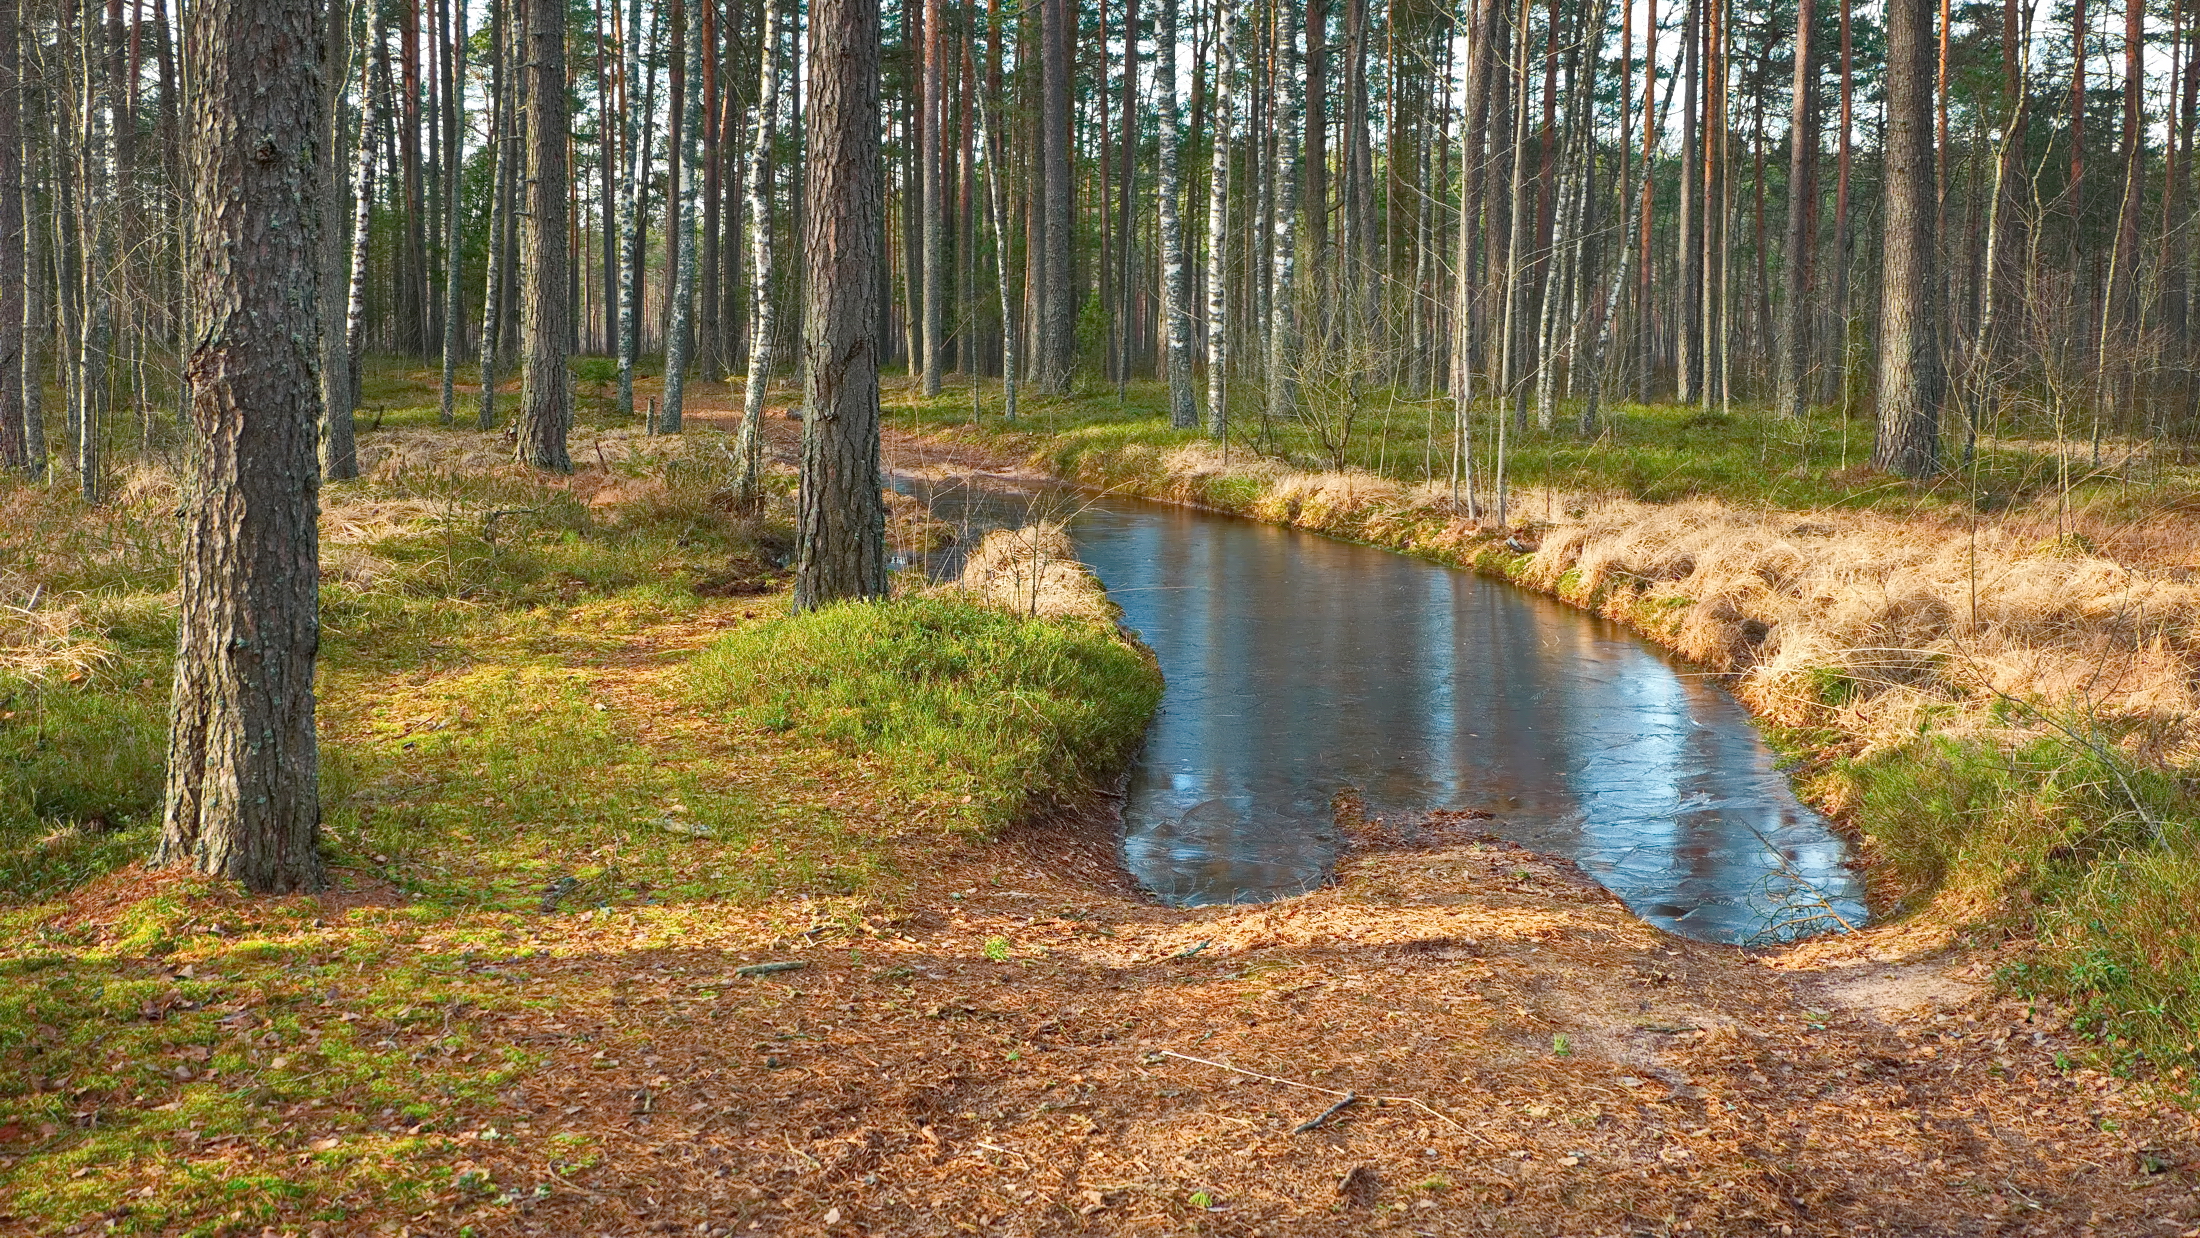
(96, 179)
(934, 257)
(454, 149)
(997, 213)
(494, 273)
(1282, 317)
(242, 796)
(339, 454)
(545, 386)
(840, 533)
(1910, 381)
(1175, 315)
(763, 125)
(679, 339)
(1218, 225)
(630, 209)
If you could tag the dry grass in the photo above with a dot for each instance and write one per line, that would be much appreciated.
(1034, 571)
(1912, 621)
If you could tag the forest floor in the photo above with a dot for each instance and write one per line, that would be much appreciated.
(606, 959)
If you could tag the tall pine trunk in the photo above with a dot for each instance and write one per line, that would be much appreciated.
(1058, 307)
(1794, 396)
(14, 434)
(243, 796)
(840, 533)
(1910, 380)
(545, 385)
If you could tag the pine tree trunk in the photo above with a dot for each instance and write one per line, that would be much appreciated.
(680, 337)
(545, 386)
(840, 537)
(1175, 314)
(1794, 397)
(242, 795)
(1910, 382)
(1058, 308)
(763, 125)
(1688, 316)
(14, 435)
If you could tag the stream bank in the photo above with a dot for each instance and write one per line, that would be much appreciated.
(1999, 710)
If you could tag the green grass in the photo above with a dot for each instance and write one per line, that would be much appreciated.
(983, 714)
(2095, 856)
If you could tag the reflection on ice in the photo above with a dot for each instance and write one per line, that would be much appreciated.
(1299, 666)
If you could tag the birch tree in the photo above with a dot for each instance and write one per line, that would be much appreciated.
(763, 323)
(679, 342)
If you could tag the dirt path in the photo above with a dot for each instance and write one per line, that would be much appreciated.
(1026, 1048)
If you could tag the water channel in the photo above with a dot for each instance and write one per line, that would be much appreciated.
(1299, 666)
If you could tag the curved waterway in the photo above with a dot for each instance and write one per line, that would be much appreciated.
(1299, 667)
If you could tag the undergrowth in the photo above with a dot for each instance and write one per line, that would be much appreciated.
(983, 713)
(514, 750)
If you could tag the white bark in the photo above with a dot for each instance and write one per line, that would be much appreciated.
(1218, 227)
(680, 347)
(1282, 318)
(763, 122)
(1175, 315)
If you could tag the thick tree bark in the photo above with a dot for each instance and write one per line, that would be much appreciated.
(680, 337)
(840, 536)
(14, 436)
(1794, 397)
(242, 795)
(1058, 308)
(545, 386)
(1688, 318)
(763, 124)
(1910, 378)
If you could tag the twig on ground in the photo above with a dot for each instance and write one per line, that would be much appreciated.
(1326, 1114)
(1293, 1083)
